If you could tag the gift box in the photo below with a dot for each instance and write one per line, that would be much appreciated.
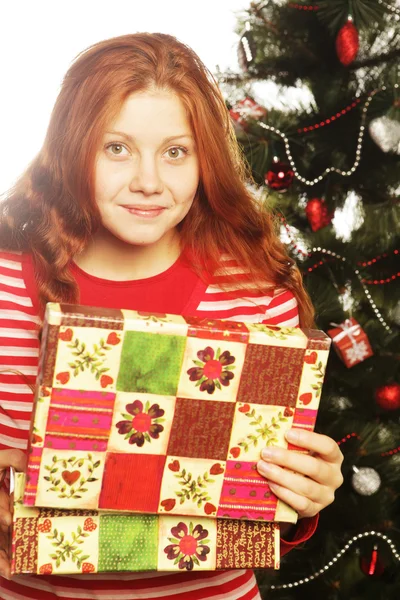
(247, 109)
(52, 541)
(161, 414)
(350, 342)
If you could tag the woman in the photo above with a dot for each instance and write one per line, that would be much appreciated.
(138, 200)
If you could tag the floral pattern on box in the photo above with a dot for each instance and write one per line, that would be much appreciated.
(150, 413)
(48, 541)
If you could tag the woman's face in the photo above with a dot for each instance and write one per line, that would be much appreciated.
(147, 170)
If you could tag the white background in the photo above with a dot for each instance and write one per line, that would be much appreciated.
(40, 38)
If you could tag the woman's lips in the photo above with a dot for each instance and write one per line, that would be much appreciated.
(148, 212)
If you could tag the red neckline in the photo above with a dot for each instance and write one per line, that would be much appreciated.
(127, 282)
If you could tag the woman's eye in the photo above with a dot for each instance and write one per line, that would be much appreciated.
(176, 152)
(119, 148)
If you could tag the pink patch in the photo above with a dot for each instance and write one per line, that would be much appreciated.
(72, 443)
(32, 475)
(245, 493)
(86, 429)
(304, 418)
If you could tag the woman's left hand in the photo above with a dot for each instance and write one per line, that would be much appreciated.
(310, 494)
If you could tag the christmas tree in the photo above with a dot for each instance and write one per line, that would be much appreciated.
(330, 170)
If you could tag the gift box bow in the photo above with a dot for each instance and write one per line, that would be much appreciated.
(349, 328)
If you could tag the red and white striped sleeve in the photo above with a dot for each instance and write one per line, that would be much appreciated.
(19, 350)
(283, 309)
(227, 300)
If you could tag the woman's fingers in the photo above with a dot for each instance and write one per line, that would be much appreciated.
(316, 442)
(300, 463)
(5, 568)
(12, 458)
(303, 486)
(17, 460)
(4, 548)
(307, 483)
(305, 507)
(5, 518)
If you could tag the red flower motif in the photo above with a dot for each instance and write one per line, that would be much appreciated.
(141, 425)
(63, 377)
(66, 336)
(209, 508)
(113, 339)
(168, 504)
(212, 372)
(89, 525)
(187, 545)
(235, 451)
(46, 569)
(174, 466)
(45, 527)
(106, 380)
(216, 469)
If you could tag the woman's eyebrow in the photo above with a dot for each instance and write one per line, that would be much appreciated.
(167, 139)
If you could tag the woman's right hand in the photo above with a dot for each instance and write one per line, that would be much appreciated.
(17, 460)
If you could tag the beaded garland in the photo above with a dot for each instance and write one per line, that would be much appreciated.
(303, 6)
(343, 259)
(330, 564)
(328, 170)
(331, 119)
(348, 437)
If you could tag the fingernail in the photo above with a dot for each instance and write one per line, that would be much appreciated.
(292, 435)
(267, 468)
(274, 486)
(268, 453)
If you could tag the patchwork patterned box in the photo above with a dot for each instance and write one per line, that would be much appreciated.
(160, 414)
(51, 541)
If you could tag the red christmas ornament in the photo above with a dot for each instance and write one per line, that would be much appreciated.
(280, 176)
(317, 214)
(372, 565)
(388, 396)
(347, 43)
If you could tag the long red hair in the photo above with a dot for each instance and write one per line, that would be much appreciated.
(51, 210)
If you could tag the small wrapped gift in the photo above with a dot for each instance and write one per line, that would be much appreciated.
(350, 342)
(50, 541)
(162, 414)
(247, 109)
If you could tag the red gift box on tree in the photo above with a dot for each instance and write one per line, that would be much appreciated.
(350, 342)
(247, 109)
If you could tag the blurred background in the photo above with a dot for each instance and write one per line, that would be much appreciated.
(313, 92)
(40, 39)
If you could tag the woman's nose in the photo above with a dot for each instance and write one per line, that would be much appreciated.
(146, 177)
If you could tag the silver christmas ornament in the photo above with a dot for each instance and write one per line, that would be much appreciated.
(365, 481)
(386, 134)
(395, 314)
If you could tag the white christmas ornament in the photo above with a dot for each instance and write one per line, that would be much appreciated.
(357, 353)
(365, 481)
(386, 134)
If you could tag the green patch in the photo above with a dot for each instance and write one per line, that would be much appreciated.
(128, 543)
(151, 363)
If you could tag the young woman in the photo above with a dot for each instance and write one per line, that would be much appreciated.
(137, 200)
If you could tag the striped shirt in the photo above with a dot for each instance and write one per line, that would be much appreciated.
(19, 350)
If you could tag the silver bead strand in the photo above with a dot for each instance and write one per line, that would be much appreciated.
(346, 547)
(366, 290)
(391, 8)
(328, 169)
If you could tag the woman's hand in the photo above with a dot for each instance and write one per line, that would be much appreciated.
(16, 459)
(310, 494)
